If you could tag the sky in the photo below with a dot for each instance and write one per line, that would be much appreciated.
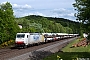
(46, 8)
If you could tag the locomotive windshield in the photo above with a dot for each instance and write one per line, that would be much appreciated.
(20, 35)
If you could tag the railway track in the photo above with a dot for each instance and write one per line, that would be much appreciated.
(10, 53)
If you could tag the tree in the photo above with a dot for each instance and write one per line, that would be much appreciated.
(8, 26)
(83, 13)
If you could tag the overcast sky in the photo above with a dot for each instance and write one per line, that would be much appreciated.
(47, 8)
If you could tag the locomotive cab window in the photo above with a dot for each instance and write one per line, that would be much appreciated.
(20, 35)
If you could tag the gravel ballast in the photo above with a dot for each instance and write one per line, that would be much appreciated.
(42, 52)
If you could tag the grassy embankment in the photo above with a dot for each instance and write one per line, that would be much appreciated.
(72, 53)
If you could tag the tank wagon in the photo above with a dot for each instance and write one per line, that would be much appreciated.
(25, 39)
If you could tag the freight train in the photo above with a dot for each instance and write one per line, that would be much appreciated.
(26, 39)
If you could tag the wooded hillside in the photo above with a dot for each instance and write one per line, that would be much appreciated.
(35, 23)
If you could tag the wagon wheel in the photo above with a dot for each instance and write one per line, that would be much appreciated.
(25, 46)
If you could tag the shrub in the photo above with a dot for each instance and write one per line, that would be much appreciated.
(7, 43)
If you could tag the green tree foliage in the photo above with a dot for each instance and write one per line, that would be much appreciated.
(75, 26)
(83, 13)
(8, 26)
(35, 23)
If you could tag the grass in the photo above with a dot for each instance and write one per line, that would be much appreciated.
(76, 49)
(72, 53)
(68, 55)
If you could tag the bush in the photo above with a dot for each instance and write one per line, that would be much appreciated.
(7, 43)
